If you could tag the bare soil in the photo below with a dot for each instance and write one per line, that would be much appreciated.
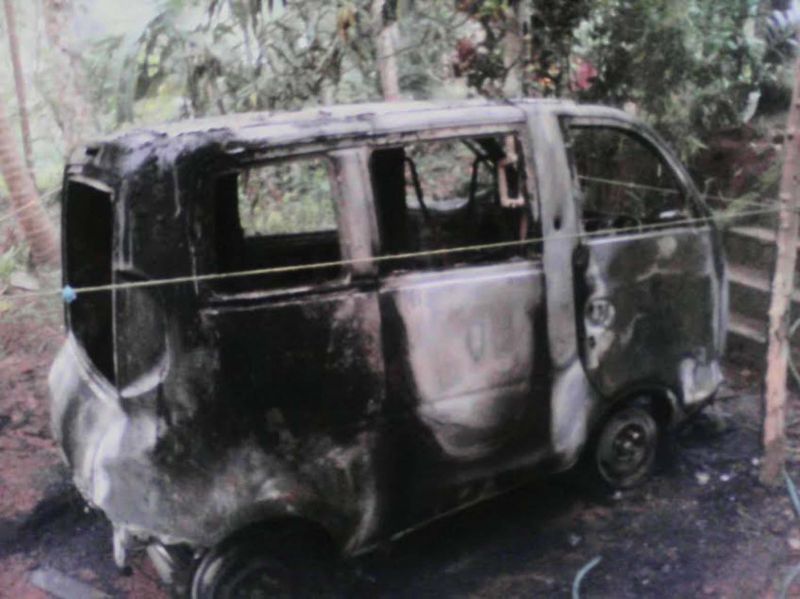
(704, 527)
(43, 522)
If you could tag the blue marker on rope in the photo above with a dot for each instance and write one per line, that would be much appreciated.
(69, 294)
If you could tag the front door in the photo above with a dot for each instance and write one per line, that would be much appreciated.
(648, 274)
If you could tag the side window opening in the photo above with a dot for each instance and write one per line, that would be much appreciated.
(280, 214)
(448, 194)
(623, 182)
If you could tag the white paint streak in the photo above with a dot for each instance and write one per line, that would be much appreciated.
(572, 400)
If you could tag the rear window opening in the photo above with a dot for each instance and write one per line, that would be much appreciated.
(277, 215)
(88, 229)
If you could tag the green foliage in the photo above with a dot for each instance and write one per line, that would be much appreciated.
(12, 260)
(429, 36)
(235, 55)
(688, 66)
(553, 28)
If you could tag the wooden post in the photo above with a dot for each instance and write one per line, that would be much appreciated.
(778, 350)
(513, 51)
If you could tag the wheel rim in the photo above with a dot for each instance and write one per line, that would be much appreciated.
(626, 448)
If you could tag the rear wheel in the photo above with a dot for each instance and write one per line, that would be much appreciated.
(264, 564)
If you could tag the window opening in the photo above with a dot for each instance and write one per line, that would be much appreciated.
(276, 215)
(449, 194)
(623, 181)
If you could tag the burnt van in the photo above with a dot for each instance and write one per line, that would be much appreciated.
(316, 330)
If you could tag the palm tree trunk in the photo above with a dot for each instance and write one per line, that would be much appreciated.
(37, 227)
(19, 82)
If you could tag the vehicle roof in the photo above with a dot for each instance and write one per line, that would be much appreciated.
(266, 134)
(377, 112)
(375, 118)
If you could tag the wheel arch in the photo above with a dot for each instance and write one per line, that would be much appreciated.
(281, 525)
(289, 535)
(662, 401)
(278, 519)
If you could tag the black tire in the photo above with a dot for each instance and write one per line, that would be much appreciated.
(624, 450)
(264, 564)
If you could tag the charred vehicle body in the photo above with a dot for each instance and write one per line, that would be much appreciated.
(342, 323)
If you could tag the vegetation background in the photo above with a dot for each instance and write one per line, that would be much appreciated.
(75, 69)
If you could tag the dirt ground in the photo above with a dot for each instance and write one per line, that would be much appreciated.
(704, 527)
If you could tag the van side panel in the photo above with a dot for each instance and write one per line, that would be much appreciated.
(303, 380)
(466, 379)
(310, 358)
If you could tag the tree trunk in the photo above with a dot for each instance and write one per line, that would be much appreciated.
(19, 82)
(37, 227)
(513, 51)
(778, 350)
(71, 110)
(386, 32)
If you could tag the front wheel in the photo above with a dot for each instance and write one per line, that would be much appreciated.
(624, 452)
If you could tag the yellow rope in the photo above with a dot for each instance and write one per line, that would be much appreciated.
(379, 259)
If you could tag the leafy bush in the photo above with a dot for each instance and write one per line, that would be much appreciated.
(689, 66)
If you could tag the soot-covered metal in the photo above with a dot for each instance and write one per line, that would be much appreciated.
(366, 397)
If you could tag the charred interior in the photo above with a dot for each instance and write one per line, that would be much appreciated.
(446, 194)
